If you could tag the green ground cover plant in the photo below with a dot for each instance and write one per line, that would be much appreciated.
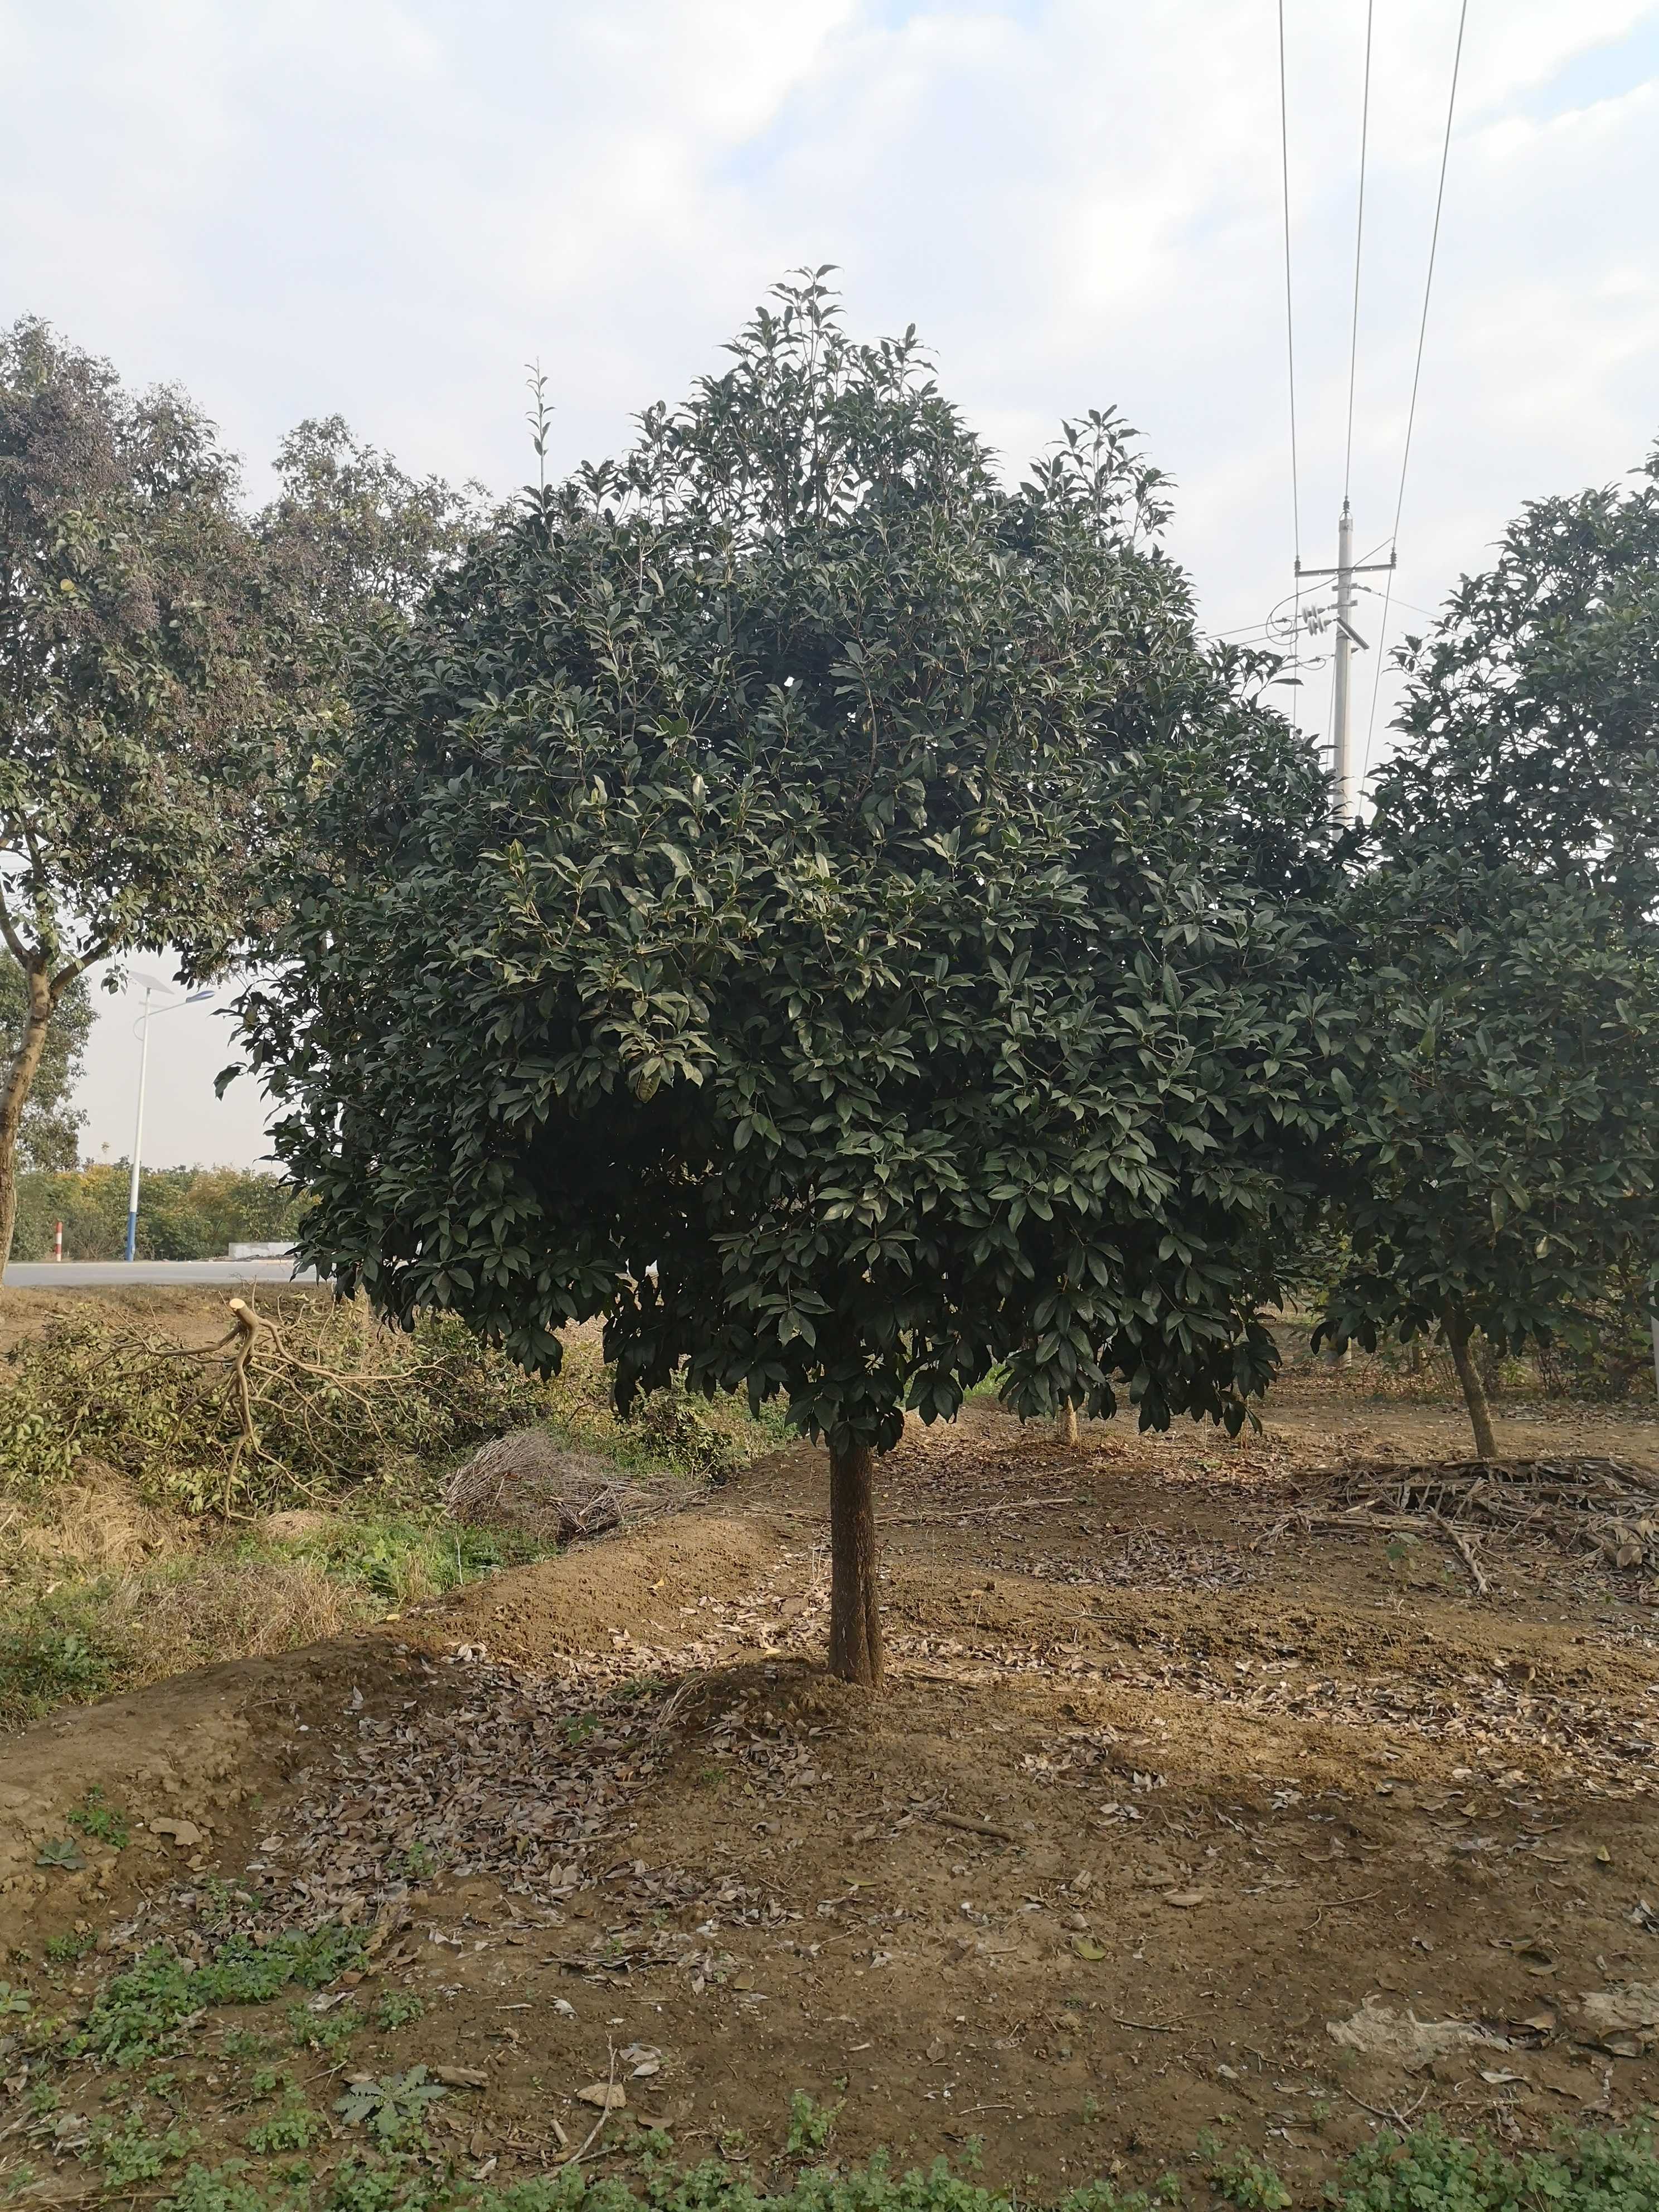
(1427, 2170)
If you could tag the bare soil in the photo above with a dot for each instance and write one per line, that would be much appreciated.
(1177, 1812)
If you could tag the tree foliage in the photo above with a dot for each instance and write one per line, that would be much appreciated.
(806, 901)
(186, 1214)
(169, 665)
(351, 541)
(131, 684)
(49, 1129)
(1502, 1103)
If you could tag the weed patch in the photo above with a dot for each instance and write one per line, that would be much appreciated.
(1428, 2170)
(96, 1817)
(810, 2125)
(391, 2110)
(1431, 2170)
(141, 2013)
(129, 2155)
(295, 2127)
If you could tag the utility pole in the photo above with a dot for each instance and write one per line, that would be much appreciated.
(138, 1129)
(1345, 778)
(142, 1029)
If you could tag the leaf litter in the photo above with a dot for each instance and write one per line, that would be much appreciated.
(636, 1808)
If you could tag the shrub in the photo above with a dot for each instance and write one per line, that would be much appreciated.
(330, 1402)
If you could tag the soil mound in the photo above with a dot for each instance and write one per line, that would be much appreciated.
(216, 1740)
(637, 1589)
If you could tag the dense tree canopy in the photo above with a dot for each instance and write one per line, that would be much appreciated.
(169, 666)
(1502, 1113)
(132, 681)
(819, 909)
(188, 1213)
(351, 543)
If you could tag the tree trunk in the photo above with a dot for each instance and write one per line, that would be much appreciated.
(1068, 1425)
(19, 1081)
(1474, 1396)
(854, 1609)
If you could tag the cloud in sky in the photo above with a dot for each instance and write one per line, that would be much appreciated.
(388, 207)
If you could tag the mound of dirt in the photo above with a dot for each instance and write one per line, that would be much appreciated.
(210, 1741)
(1107, 1864)
(528, 1481)
(635, 1588)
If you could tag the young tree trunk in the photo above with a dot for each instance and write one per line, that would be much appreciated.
(1475, 1396)
(19, 1082)
(854, 1608)
(1068, 1425)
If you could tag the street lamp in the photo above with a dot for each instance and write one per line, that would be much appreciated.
(141, 1031)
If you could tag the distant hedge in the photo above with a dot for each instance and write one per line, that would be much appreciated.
(183, 1213)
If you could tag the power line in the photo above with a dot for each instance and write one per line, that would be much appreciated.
(1416, 371)
(1290, 338)
(1359, 242)
(1388, 593)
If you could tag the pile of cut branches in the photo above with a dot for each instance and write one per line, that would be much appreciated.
(1604, 1508)
(274, 1413)
(532, 1481)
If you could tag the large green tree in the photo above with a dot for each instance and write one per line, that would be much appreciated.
(131, 683)
(1502, 1097)
(169, 665)
(823, 911)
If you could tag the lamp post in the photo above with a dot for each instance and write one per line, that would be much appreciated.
(140, 1029)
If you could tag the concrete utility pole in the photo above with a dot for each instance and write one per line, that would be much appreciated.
(1344, 775)
(143, 1027)
(140, 1029)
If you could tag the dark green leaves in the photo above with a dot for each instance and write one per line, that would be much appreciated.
(805, 903)
(1501, 1090)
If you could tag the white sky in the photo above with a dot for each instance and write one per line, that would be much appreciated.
(386, 207)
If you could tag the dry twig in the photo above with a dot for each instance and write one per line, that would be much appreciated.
(974, 1827)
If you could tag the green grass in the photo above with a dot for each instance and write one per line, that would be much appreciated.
(85, 1639)
(1427, 2170)
(400, 1557)
(54, 1652)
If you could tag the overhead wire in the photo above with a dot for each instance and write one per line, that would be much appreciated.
(1290, 348)
(1358, 246)
(1417, 372)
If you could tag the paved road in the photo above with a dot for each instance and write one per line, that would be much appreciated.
(77, 1274)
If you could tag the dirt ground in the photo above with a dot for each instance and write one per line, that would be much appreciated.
(1181, 1812)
